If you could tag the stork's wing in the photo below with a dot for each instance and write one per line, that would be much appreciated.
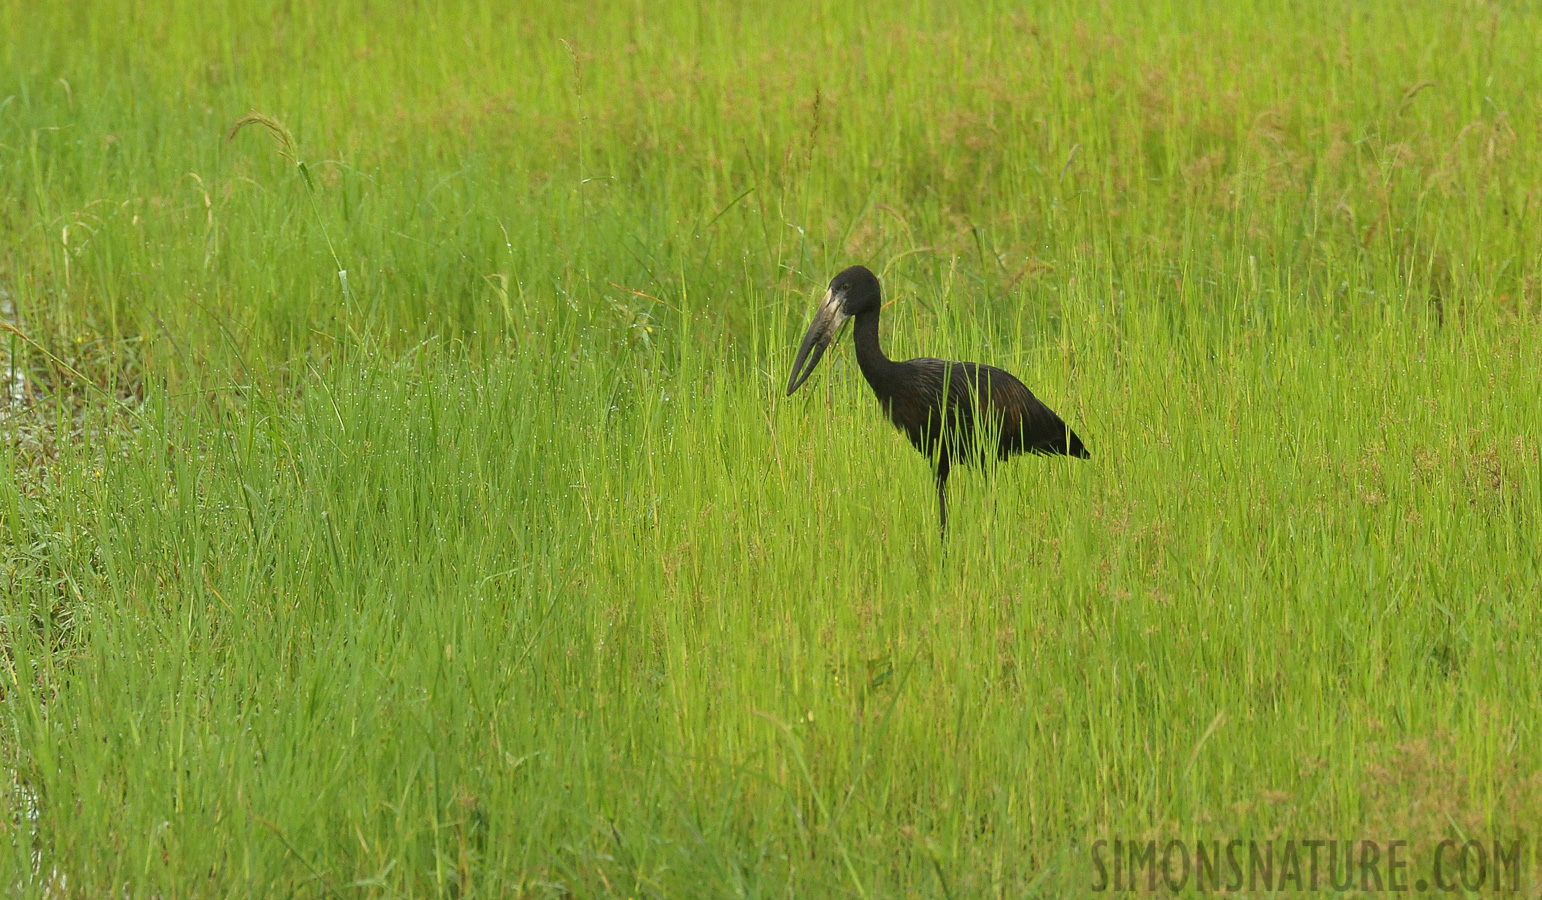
(1021, 423)
(1027, 425)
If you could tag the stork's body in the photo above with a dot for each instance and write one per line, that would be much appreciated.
(951, 411)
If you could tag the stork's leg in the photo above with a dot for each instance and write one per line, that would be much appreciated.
(942, 494)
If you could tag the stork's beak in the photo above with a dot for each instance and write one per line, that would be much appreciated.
(821, 331)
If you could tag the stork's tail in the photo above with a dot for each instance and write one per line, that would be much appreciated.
(1065, 444)
(1072, 446)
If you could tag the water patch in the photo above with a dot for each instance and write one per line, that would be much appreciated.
(12, 371)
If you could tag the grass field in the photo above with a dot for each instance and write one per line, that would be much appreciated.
(412, 509)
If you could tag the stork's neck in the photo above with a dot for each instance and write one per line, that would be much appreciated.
(875, 366)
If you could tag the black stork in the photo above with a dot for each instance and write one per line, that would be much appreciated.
(947, 409)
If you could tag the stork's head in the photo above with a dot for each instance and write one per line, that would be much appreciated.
(853, 292)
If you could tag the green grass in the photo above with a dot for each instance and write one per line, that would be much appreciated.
(502, 567)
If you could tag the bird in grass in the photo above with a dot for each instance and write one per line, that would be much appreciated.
(953, 412)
